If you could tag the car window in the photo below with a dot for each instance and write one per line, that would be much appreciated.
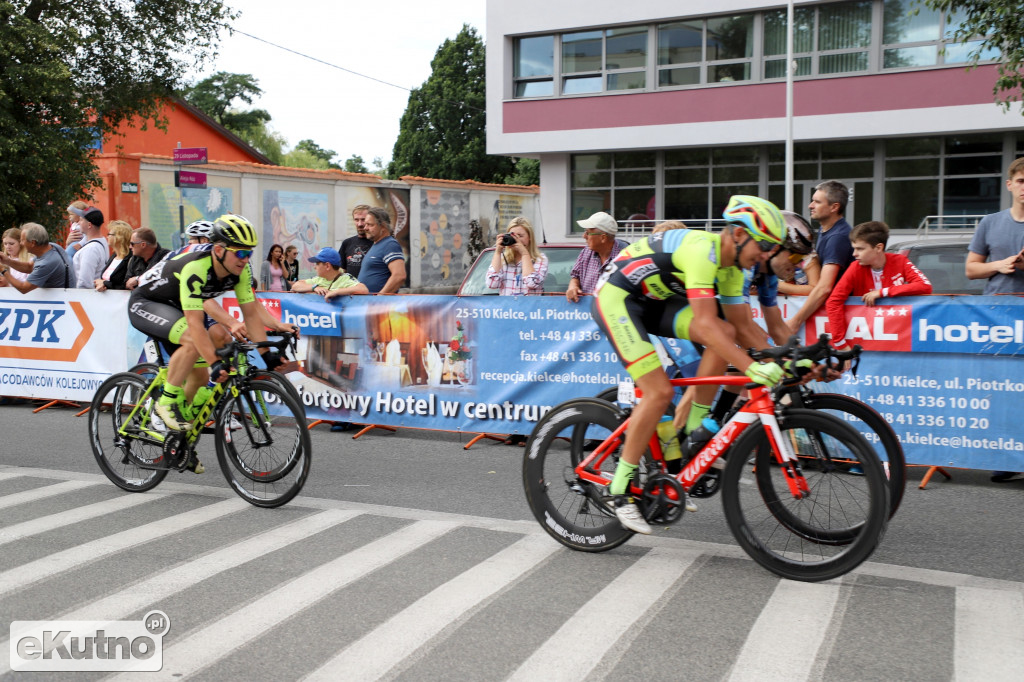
(944, 266)
(560, 262)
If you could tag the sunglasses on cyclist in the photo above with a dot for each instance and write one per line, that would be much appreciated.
(796, 258)
(241, 254)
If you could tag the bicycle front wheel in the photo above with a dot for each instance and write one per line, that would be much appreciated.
(125, 438)
(834, 527)
(863, 416)
(263, 445)
(569, 508)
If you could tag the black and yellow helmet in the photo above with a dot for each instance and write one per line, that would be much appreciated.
(235, 230)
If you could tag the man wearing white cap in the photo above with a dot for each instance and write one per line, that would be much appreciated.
(602, 247)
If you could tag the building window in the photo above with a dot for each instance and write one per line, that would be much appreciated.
(534, 66)
(844, 37)
(594, 61)
(621, 184)
(774, 45)
(716, 50)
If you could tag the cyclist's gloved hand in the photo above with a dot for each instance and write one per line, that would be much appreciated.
(806, 363)
(273, 359)
(767, 374)
(218, 372)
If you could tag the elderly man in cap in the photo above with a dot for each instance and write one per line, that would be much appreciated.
(93, 253)
(329, 275)
(602, 247)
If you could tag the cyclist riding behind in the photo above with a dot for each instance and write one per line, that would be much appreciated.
(666, 285)
(170, 302)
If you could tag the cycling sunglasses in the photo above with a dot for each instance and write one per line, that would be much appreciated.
(241, 254)
(796, 258)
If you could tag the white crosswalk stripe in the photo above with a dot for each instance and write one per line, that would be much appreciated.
(793, 630)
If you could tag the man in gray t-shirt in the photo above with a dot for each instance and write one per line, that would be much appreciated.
(52, 268)
(996, 251)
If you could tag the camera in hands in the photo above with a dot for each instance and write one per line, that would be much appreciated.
(508, 240)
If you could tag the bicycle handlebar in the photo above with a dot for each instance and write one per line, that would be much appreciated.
(819, 352)
(288, 340)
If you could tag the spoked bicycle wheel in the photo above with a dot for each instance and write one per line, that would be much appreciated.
(569, 508)
(123, 457)
(866, 419)
(266, 455)
(834, 527)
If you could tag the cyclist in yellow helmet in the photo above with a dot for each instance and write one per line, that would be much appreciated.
(670, 284)
(170, 301)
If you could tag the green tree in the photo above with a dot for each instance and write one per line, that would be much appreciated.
(527, 172)
(71, 73)
(303, 158)
(988, 26)
(216, 96)
(319, 152)
(355, 164)
(443, 130)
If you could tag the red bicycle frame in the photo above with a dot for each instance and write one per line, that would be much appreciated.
(760, 406)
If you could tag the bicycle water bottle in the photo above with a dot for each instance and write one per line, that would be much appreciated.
(669, 439)
(202, 395)
(700, 436)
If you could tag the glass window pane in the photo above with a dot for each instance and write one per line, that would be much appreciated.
(580, 85)
(775, 31)
(853, 149)
(847, 169)
(698, 157)
(971, 196)
(805, 171)
(686, 176)
(634, 160)
(627, 81)
(586, 203)
(776, 68)
(911, 167)
(805, 151)
(535, 89)
(633, 202)
(843, 63)
(974, 144)
(585, 179)
(864, 197)
(907, 202)
(730, 37)
(844, 25)
(735, 174)
(959, 54)
(720, 196)
(686, 203)
(535, 56)
(727, 73)
(906, 57)
(735, 154)
(591, 161)
(972, 165)
(908, 21)
(670, 77)
(626, 48)
(581, 51)
(913, 146)
(634, 178)
(681, 42)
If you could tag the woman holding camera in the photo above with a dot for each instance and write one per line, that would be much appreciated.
(517, 268)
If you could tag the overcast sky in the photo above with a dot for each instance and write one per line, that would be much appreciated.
(391, 40)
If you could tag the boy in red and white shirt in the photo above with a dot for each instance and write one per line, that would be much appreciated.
(876, 274)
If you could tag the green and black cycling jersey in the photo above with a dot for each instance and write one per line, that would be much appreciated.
(187, 280)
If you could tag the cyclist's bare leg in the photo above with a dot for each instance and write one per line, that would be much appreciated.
(657, 394)
(200, 375)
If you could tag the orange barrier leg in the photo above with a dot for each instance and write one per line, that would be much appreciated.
(318, 421)
(55, 403)
(370, 427)
(479, 437)
(80, 413)
(928, 475)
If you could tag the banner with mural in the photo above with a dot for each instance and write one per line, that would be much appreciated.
(61, 343)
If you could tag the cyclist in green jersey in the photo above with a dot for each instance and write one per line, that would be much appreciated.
(170, 302)
(666, 285)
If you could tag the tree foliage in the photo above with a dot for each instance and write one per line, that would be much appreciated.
(443, 130)
(355, 164)
(71, 73)
(526, 172)
(991, 26)
(318, 152)
(216, 96)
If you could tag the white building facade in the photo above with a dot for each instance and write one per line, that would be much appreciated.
(659, 109)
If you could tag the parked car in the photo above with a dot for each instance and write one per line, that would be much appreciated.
(561, 258)
(942, 260)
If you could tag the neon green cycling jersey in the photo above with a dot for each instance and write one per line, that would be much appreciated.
(677, 263)
(187, 280)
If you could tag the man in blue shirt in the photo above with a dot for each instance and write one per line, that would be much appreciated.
(835, 252)
(383, 267)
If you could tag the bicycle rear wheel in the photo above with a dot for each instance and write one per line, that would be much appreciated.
(123, 457)
(860, 415)
(832, 529)
(568, 508)
(266, 459)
